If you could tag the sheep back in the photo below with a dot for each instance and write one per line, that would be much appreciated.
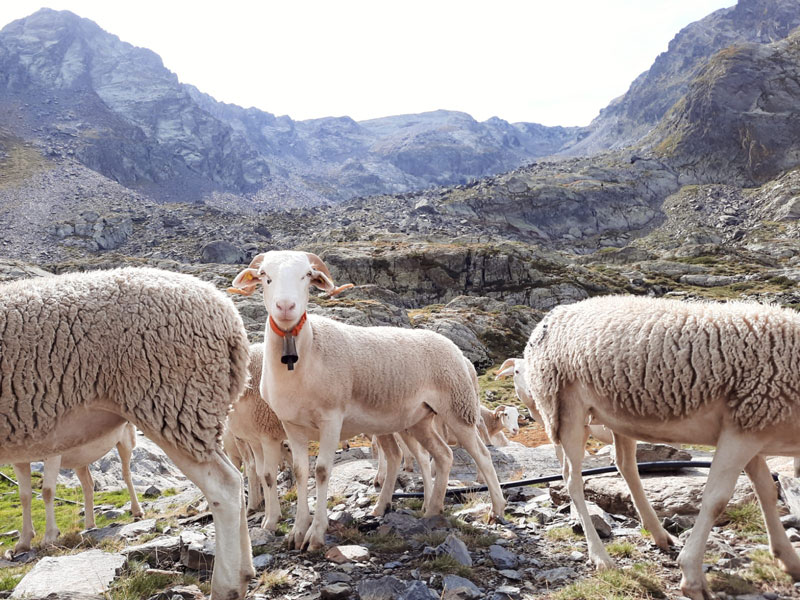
(667, 359)
(386, 364)
(166, 351)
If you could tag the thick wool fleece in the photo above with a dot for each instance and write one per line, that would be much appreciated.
(167, 350)
(666, 358)
(387, 365)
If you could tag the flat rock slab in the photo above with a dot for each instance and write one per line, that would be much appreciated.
(347, 553)
(165, 549)
(121, 532)
(89, 572)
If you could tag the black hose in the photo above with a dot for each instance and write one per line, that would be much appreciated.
(646, 467)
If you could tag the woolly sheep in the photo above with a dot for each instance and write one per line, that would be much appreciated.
(83, 353)
(350, 380)
(78, 459)
(726, 375)
(255, 424)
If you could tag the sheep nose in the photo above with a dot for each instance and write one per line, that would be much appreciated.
(285, 305)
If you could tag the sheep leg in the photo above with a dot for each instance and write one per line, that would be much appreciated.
(329, 433)
(733, 453)
(625, 449)
(298, 442)
(223, 487)
(425, 433)
(759, 474)
(51, 467)
(269, 460)
(125, 450)
(255, 494)
(573, 444)
(424, 462)
(391, 452)
(380, 476)
(405, 452)
(23, 473)
(87, 485)
(468, 438)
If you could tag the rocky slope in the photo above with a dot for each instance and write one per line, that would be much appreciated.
(79, 91)
(628, 118)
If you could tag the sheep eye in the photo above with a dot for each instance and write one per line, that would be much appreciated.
(308, 274)
(267, 280)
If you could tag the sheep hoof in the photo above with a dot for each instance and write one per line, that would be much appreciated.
(497, 519)
(8, 555)
(698, 591)
(268, 525)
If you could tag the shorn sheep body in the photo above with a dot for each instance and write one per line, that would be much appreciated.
(256, 426)
(726, 375)
(78, 459)
(351, 380)
(82, 353)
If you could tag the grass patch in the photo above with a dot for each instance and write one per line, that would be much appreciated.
(745, 519)
(474, 536)
(335, 500)
(386, 542)
(274, 580)
(635, 583)
(448, 565)
(349, 535)
(10, 577)
(561, 534)
(622, 549)
(290, 496)
(765, 568)
(137, 583)
(434, 538)
(730, 583)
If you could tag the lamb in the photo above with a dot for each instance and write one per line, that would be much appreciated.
(726, 375)
(330, 381)
(83, 353)
(79, 459)
(502, 417)
(255, 424)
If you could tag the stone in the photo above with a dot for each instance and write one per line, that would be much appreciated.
(90, 572)
(455, 548)
(347, 553)
(506, 592)
(512, 574)
(260, 537)
(180, 592)
(502, 558)
(385, 588)
(224, 252)
(402, 524)
(152, 492)
(121, 532)
(197, 551)
(557, 575)
(459, 588)
(335, 591)
(417, 590)
(647, 452)
(165, 549)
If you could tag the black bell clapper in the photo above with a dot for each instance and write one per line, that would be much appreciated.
(289, 352)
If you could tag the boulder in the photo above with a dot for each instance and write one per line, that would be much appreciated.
(90, 572)
(459, 588)
(221, 251)
(347, 553)
(455, 548)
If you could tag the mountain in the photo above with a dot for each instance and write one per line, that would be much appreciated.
(80, 92)
(630, 117)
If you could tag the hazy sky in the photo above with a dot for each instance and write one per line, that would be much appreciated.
(544, 61)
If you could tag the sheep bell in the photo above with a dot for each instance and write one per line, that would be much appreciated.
(289, 356)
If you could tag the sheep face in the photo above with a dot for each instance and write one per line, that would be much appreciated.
(285, 277)
(509, 417)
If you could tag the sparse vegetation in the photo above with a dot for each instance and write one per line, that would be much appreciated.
(638, 582)
(562, 534)
(447, 564)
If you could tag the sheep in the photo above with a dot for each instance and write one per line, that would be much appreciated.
(726, 375)
(82, 353)
(329, 381)
(502, 417)
(78, 459)
(253, 422)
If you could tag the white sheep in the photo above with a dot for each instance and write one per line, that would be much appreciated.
(78, 459)
(500, 419)
(256, 426)
(330, 381)
(83, 353)
(726, 375)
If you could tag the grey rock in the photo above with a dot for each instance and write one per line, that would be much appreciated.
(262, 561)
(335, 591)
(557, 575)
(197, 551)
(90, 572)
(402, 524)
(119, 532)
(459, 588)
(385, 588)
(455, 548)
(502, 558)
(417, 590)
(221, 251)
(157, 551)
(152, 492)
(336, 577)
(647, 452)
(512, 574)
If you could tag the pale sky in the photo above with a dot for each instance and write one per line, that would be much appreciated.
(543, 61)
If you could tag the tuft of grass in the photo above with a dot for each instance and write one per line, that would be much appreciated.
(622, 549)
(274, 580)
(448, 565)
(765, 568)
(433, 538)
(138, 583)
(349, 535)
(730, 583)
(290, 496)
(745, 519)
(635, 583)
(10, 577)
(334, 500)
(413, 503)
(561, 534)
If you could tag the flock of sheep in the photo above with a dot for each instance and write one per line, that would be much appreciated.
(84, 356)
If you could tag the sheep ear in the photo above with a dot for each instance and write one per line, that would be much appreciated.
(500, 410)
(506, 369)
(246, 282)
(321, 277)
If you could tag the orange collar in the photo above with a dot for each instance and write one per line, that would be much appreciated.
(294, 331)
